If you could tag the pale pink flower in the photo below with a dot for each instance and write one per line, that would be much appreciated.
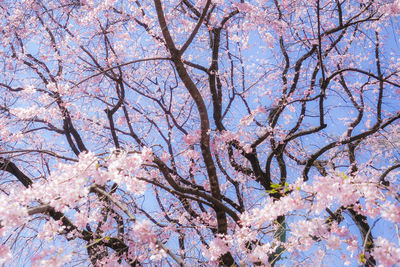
(147, 155)
(261, 253)
(391, 212)
(165, 157)
(386, 253)
(192, 138)
(5, 254)
(217, 248)
(334, 242)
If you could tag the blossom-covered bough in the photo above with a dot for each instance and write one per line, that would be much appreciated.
(199, 133)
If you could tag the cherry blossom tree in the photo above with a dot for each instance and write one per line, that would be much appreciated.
(199, 133)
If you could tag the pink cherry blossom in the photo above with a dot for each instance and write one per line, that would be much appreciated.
(199, 133)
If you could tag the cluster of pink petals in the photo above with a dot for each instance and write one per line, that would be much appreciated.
(51, 257)
(5, 254)
(217, 247)
(192, 138)
(78, 178)
(11, 212)
(386, 252)
(312, 199)
(123, 168)
(143, 242)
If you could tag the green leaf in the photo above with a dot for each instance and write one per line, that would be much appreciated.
(272, 191)
(362, 258)
(275, 186)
